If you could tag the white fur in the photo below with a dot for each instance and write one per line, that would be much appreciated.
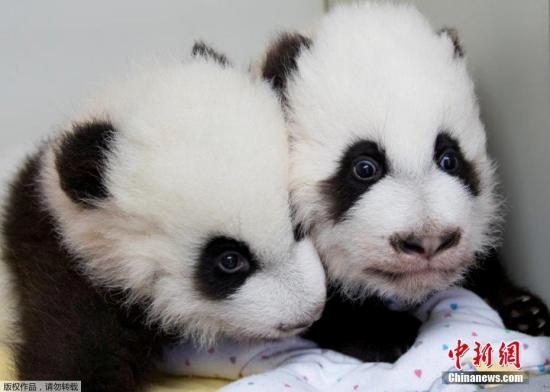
(200, 150)
(379, 72)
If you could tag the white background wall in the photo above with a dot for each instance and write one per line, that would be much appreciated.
(54, 53)
(507, 44)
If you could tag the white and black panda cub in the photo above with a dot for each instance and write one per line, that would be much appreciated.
(162, 212)
(390, 173)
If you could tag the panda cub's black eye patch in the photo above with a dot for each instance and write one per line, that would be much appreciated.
(449, 158)
(361, 166)
(224, 265)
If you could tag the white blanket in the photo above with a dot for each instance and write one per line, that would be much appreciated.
(297, 364)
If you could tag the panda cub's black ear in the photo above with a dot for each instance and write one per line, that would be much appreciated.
(201, 49)
(81, 161)
(280, 60)
(452, 33)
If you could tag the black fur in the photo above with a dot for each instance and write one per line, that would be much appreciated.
(81, 161)
(466, 170)
(453, 35)
(70, 329)
(211, 281)
(342, 190)
(299, 232)
(281, 58)
(202, 49)
(520, 309)
(364, 329)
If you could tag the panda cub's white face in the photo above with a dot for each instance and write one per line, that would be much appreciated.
(187, 208)
(390, 173)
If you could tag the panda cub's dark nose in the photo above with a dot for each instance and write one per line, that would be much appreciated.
(426, 246)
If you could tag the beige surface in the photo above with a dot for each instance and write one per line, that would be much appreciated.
(6, 371)
(163, 385)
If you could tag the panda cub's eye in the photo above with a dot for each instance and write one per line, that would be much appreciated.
(231, 262)
(366, 169)
(224, 264)
(449, 162)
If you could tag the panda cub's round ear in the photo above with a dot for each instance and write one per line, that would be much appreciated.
(452, 33)
(81, 161)
(280, 59)
(201, 49)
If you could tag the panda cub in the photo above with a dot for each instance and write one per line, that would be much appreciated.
(160, 213)
(390, 173)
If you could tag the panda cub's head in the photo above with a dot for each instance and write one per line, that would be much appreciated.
(173, 187)
(390, 173)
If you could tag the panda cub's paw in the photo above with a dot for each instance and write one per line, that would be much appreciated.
(525, 312)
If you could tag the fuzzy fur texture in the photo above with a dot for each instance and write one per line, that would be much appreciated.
(378, 72)
(180, 174)
(197, 150)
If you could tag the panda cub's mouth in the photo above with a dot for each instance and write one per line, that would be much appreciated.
(423, 273)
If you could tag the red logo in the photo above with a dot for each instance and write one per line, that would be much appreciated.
(483, 354)
(508, 354)
(458, 352)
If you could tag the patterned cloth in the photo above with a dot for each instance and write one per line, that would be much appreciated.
(297, 364)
